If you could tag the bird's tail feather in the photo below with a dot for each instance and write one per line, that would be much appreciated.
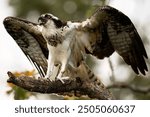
(86, 75)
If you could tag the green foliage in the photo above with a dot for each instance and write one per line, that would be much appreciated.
(19, 93)
(65, 9)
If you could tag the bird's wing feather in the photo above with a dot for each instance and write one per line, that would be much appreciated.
(115, 32)
(30, 40)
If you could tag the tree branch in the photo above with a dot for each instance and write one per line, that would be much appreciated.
(80, 85)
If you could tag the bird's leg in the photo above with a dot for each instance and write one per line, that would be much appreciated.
(50, 68)
(62, 69)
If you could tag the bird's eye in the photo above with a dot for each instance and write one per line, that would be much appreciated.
(47, 16)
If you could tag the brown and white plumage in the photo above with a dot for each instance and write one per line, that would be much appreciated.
(30, 40)
(118, 33)
(106, 31)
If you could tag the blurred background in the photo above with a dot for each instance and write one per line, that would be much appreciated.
(114, 73)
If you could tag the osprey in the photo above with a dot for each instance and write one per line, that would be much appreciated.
(67, 43)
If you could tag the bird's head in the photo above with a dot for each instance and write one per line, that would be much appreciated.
(50, 20)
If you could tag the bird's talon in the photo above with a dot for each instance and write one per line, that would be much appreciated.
(49, 79)
(62, 79)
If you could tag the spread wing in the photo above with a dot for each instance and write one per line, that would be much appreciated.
(30, 40)
(114, 31)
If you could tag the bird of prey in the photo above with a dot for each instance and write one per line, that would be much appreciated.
(67, 43)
